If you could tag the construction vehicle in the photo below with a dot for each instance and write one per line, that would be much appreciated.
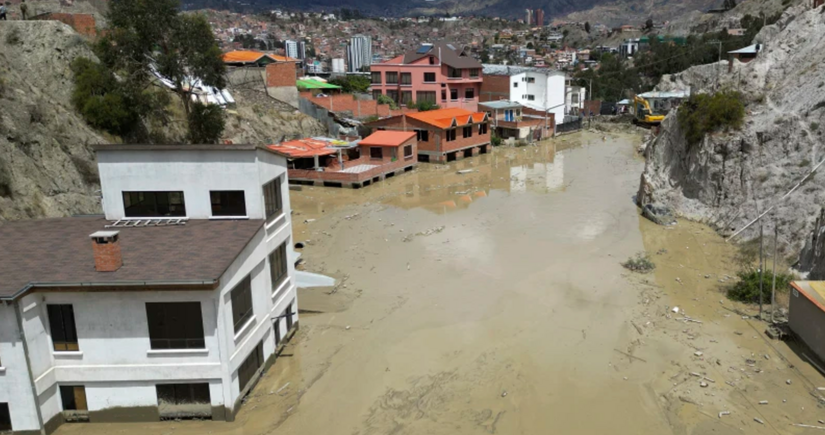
(644, 115)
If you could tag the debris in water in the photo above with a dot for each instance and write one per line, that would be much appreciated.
(724, 413)
(675, 309)
(809, 426)
(763, 402)
(703, 384)
(504, 393)
(282, 388)
(408, 266)
(307, 221)
(467, 171)
(758, 420)
(347, 327)
(788, 382)
(698, 353)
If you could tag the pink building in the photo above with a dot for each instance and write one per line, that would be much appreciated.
(438, 73)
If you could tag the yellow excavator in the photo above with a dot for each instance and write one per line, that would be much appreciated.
(644, 115)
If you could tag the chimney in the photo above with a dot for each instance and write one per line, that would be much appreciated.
(106, 249)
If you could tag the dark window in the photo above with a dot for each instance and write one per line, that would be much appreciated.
(482, 129)
(183, 394)
(175, 325)
(422, 135)
(468, 131)
(432, 60)
(406, 97)
(474, 72)
(376, 94)
(443, 95)
(429, 77)
(278, 266)
(531, 97)
(454, 94)
(376, 153)
(242, 303)
(228, 203)
(425, 96)
(61, 322)
(408, 151)
(392, 78)
(376, 78)
(250, 365)
(531, 79)
(5, 418)
(289, 310)
(393, 94)
(450, 135)
(153, 204)
(406, 78)
(469, 93)
(515, 84)
(272, 199)
(73, 398)
(453, 73)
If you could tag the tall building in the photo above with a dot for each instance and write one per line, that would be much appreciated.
(296, 49)
(359, 52)
(529, 18)
(539, 15)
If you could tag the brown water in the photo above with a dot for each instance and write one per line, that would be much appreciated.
(494, 302)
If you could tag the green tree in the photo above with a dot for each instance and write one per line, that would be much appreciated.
(100, 100)
(152, 34)
(649, 24)
(703, 113)
(206, 123)
(587, 27)
(350, 84)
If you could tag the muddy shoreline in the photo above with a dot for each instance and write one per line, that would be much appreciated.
(494, 302)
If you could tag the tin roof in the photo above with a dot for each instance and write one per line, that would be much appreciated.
(388, 138)
(446, 118)
(813, 290)
(751, 49)
(500, 104)
(248, 56)
(315, 84)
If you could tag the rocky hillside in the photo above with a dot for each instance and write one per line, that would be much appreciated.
(730, 177)
(47, 167)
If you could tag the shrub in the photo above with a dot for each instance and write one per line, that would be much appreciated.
(100, 100)
(383, 99)
(350, 84)
(13, 37)
(640, 263)
(424, 106)
(703, 113)
(814, 126)
(495, 140)
(747, 288)
(206, 123)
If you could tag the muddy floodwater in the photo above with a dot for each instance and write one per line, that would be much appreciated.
(494, 302)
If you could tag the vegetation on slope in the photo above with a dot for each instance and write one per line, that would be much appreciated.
(703, 113)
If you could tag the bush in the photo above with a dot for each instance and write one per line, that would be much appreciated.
(495, 140)
(206, 123)
(814, 126)
(703, 113)
(747, 288)
(99, 99)
(640, 263)
(383, 99)
(350, 84)
(424, 106)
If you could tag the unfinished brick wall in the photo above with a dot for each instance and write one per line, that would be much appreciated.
(358, 108)
(495, 88)
(594, 106)
(551, 120)
(83, 24)
(281, 74)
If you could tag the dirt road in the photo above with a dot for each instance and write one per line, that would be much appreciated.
(494, 302)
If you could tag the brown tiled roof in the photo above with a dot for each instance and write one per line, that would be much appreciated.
(447, 55)
(59, 251)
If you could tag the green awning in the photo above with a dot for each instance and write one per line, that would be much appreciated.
(315, 84)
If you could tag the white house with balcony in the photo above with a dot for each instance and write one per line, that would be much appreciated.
(540, 89)
(169, 306)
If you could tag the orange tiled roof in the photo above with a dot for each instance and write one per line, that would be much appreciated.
(300, 148)
(248, 56)
(446, 118)
(386, 138)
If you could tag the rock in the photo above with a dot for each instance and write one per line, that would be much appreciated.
(659, 213)
(788, 382)
(703, 384)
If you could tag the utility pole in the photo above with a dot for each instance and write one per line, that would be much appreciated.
(773, 288)
(761, 266)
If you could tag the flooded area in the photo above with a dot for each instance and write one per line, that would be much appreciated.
(493, 301)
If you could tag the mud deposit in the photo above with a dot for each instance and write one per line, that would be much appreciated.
(494, 302)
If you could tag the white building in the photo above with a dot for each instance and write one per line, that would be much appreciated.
(574, 100)
(339, 66)
(536, 88)
(169, 306)
(359, 52)
(295, 49)
(629, 47)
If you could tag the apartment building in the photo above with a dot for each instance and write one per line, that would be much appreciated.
(443, 135)
(359, 53)
(538, 89)
(439, 73)
(168, 306)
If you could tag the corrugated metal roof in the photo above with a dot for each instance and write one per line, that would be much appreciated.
(510, 70)
(501, 104)
(661, 94)
(813, 290)
(751, 49)
(315, 84)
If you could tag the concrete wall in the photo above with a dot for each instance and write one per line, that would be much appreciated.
(192, 173)
(808, 322)
(15, 382)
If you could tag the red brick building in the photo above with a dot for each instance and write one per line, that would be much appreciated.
(83, 24)
(443, 135)
(357, 164)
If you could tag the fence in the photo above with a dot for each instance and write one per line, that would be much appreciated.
(569, 126)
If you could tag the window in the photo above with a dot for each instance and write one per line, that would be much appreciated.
(408, 151)
(153, 204)
(61, 323)
(450, 135)
(228, 203)
(376, 94)
(376, 153)
(278, 266)
(272, 199)
(392, 78)
(531, 79)
(428, 96)
(474, 72)
(429, 77)
(242, 303)
(5, 418)
(393, 94)
(406, 78)
(454, 94)
(531, 97)
(406, 98)
(375, 77)
(432, 62)
(250, 365)
(175, 325)
(469, 93)
(515, 84)
(73, 398)
(482, 128)
(468, 131)
(443, 95)
(575, 98)
(453, 73)
(183, 394)
(422, 135)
